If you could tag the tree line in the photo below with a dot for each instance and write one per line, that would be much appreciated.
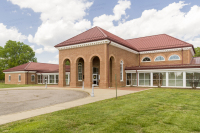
(15, 54)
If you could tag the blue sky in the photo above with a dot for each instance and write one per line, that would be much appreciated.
(43, 24)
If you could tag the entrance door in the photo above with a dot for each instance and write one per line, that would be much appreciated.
(95, 76)
(95, 79)
(67, 79)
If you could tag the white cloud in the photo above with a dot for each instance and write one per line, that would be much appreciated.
(53, 61)
(10, 34)
(39, 51)
(14, 11)
(106, 21)
(61, 23)
(57, 56)
(170, 20)
(30, 27)
(28, 14)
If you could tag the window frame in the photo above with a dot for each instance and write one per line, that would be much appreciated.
(121, 70)
(31, 78)
(80, 64)
(146, 61)
(9, 78)
(20, 78)
(174, 59)
(159, 56)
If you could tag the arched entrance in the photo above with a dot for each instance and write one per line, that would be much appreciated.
(80, 71)
(66, 72)
(95, 71)
(111, 72)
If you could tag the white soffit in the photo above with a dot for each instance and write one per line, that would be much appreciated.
(20, 72)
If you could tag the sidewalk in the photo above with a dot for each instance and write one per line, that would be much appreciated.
(99, 94)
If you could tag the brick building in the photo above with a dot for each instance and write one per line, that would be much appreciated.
(100, 58)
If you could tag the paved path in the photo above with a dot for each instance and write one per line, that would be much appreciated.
(100, 94)
(13, 101)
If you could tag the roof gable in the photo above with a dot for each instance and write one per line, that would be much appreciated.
(95, 34)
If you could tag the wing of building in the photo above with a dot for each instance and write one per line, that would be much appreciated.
(103, 59)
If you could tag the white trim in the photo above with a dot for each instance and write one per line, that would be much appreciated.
(174, 59)
(184, 79)
(20, 72)
(20, 77)
(123, 47)
(146, 61)
(168, 50)
(84, 44)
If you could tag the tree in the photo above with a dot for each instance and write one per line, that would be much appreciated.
(197, 51)
(14, 54)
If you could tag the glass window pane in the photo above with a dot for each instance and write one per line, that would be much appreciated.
(196, 75)
(189, 75)
(155, 82)
(141, 82)
(134, 79)
(174, 57)
(147, 75)
(155, 76)
(179, 75)
(171, 75)
(179, 82)
(147, 82)
(141, 75)
(163, 82)
(188, 83)
(163, 75)
(128, 78)
(172, 83)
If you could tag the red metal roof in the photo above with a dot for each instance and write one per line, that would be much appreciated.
(39, 67)
(95, 34)
(157, 42)
(195, 60)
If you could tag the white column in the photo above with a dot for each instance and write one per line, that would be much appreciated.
(184, 79)
(138, 78)
(151, 78)
(167, 77)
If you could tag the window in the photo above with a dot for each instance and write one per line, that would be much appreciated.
(146, 59)
(32, 78)
(175, 79)
(56, 78)
(80, 72)
(159, 79)
(174, 57)
(39, 78)
(191, 77)
(159, 58)
(9, 78)
(51, 78)
(144, 79)
(121, 71)
(131, 79)
(19, 78)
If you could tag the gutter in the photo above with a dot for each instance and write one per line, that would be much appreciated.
(108, 64)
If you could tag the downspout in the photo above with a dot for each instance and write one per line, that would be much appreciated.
(108, 64)
(139, 59)
(182, 56)
(27, 77)
(137, 77)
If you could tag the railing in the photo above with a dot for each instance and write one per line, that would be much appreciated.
(2, 81)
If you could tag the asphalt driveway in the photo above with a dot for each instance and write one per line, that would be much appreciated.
(13, 101)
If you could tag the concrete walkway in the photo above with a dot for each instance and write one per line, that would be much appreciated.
(99, 94)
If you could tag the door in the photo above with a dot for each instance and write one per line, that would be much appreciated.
(95, 79)
(67, 79)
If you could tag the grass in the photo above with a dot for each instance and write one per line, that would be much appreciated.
(155, 111)
(3, 85)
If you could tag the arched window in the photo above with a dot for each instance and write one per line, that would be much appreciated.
(146, 59)
(121, 71)
(159, 58)
(174, 57)
(80, 72)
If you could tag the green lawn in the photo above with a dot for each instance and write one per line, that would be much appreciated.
(156, 110)
(3, 85)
